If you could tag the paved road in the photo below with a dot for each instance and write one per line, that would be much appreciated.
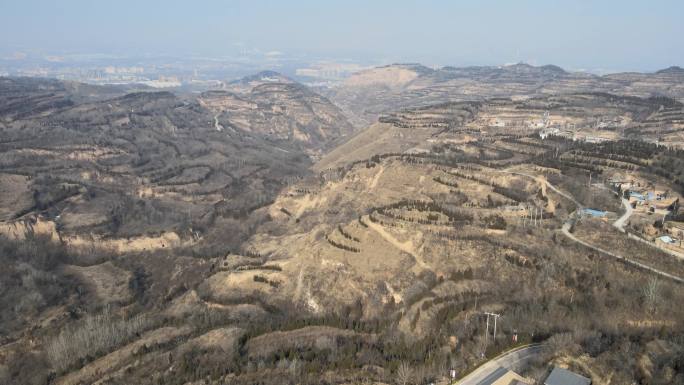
(620, 223)
(512, 360)
(567, 233)
(657, 246)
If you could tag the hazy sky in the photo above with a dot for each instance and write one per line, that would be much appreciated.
(591, 34)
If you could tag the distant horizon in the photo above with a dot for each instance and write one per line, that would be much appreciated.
(603, 37)
(261, 64)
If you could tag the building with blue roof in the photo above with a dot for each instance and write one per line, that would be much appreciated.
(636, 196)
(595, 213)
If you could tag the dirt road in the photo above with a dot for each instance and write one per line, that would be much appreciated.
(620, 223)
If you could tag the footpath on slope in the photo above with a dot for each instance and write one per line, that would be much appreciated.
(406, 247)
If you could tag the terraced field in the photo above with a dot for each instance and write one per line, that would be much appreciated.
(158, 238)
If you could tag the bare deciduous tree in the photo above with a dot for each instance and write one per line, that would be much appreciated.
(651, 292)
(94, 335)
(404, 373)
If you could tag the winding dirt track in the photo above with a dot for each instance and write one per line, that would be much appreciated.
(406, 247)
(620, 223)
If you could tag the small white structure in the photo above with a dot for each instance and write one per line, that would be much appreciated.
(667, 239)
(499, 123)
(544, 133)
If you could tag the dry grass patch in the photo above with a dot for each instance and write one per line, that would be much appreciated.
(15, 195)
(108, 282)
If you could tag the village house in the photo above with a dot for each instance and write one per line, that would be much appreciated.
(560, 376)
(675, 229)
(502, 376)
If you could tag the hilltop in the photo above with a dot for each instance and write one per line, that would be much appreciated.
(279, 109)
(370, 93)
(157, 163)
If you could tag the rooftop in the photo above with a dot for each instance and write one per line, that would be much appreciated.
(595, 213)
(502, 376)
(560, 376)
(667, 239)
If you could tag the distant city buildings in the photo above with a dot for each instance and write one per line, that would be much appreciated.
(123, 70)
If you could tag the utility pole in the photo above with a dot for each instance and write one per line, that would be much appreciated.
(496, 316)
(541, 215)
(529, 212)
(531, 221)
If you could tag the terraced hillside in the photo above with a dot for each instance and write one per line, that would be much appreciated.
(24, 97)
(372, 93)
(430, 238)
(279, 109)
(146, 239)
(139, 165)
(585, 116)
(153, 163)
